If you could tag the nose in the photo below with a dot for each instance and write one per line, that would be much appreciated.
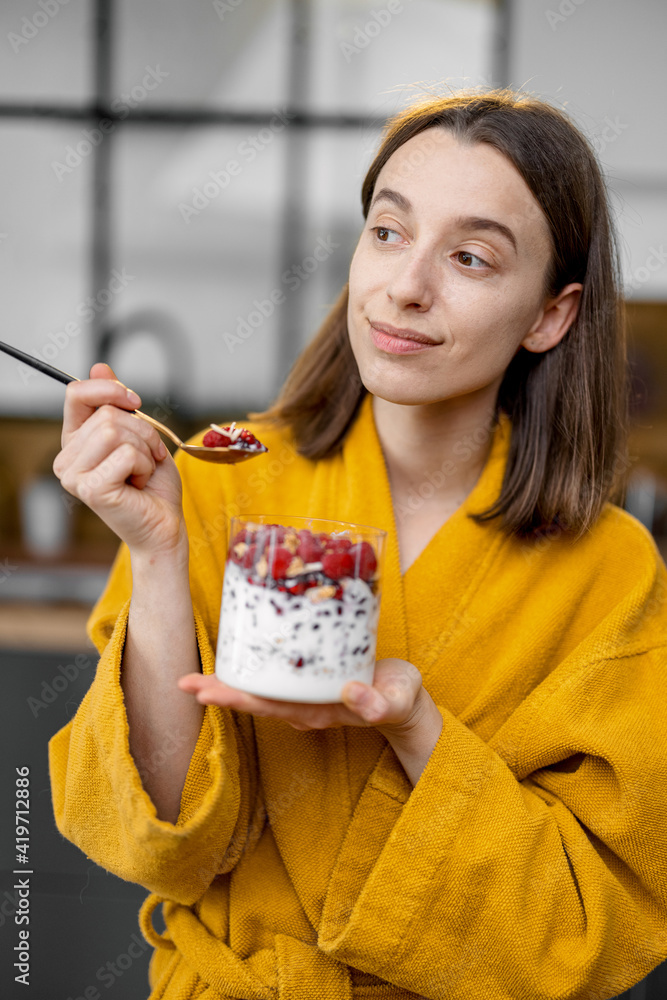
(411, 284)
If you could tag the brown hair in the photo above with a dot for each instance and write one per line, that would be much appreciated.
(567, 405)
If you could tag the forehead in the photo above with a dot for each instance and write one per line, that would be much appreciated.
(440, 174)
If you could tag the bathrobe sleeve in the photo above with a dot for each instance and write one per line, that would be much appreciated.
(99, 800)
(534, 866)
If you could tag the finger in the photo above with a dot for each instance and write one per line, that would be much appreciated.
(91, 450)
(300, 715)
(398, 680)
(392, 696)
(366, 702)
(109, 479)
(102, 433)
(102, 370)
(195, 682)
(209, 690)
(113, 425)
(84, 397)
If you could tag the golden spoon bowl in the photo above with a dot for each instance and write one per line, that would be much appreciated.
(223, 456)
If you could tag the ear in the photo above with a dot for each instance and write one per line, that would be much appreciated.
(554, 320)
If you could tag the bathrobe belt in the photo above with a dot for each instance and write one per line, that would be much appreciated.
(302, 970)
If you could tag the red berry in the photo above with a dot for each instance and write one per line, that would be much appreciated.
(213, 439)
(277, 532)
(365, 562)
(279, 563)
(249, 557)
(298, 589)
(309, 547)
(223, 439)
(237, 550)
(338, 544)
(337, 565)
(246, 439)
(246, 535)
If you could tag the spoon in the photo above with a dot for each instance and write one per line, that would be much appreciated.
(224, 456)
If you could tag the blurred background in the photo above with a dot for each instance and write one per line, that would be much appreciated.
(179, 196)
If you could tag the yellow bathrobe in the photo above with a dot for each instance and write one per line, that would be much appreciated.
(530, 860)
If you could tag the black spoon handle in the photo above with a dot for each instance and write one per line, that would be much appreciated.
(41, 366)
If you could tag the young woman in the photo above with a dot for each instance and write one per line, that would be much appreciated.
(488, 818)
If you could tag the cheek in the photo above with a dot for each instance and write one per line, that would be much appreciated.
(366, 273)
(358, 291)
(504, 320)
(356, 278)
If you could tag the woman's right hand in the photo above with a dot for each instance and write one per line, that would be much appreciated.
(118, 466)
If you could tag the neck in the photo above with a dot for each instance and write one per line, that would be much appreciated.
(435, 452)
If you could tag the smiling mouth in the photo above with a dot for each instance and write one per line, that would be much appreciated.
(397, 340)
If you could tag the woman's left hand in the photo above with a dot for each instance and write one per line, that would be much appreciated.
(393, 703)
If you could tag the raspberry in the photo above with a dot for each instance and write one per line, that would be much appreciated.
(279, 563)
(309, 547)
(247, 441)
(365, 562)
(244, 535)
(269, 536)
(277, 532)
(248, 560)
(221, 437)
(338, 544)
(213, 439)
(337, 565)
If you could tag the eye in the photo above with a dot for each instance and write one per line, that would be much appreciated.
(470, 260)
(383, 235)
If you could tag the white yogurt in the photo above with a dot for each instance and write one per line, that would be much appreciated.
(295, 647)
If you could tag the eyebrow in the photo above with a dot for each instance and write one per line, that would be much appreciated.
(474, 222)
(388, 194)
(462, 222)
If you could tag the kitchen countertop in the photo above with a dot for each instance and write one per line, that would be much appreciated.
(48, 627)
(46, 606)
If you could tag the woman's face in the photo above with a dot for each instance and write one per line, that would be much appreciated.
(447, 279)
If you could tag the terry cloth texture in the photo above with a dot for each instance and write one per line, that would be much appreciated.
(530, 860)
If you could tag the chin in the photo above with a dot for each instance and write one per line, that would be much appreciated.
(398, 389)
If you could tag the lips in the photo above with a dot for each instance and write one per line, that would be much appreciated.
(399, 340)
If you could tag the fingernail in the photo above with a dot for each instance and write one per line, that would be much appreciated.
(133, 398)
(162, 451)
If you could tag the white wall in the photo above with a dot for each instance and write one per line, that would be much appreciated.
(604, 61)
